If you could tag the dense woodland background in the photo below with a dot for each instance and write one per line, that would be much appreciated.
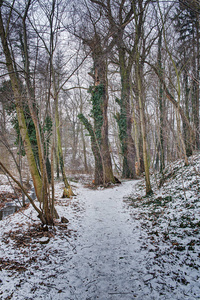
(101, 86)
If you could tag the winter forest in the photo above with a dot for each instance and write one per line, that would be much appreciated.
(100, 141)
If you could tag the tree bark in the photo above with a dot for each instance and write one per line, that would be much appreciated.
(161, 106)
(98, 171)
(125, 120)
(100, 102)
(143, 124)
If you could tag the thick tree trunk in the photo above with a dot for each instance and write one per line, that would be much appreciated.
(100, 80)
(99, 111)
(125, 121)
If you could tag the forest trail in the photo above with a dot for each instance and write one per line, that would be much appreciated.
(108, 260)
(108, 250)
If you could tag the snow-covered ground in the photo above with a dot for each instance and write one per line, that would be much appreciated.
(117, 244)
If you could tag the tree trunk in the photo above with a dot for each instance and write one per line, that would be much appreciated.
(56, 153)
(82, 133)
(197, 122)
(137, 164)
(98, 171)
(143, 124)
(186, 133)
(32, 108)
(161, 106)
(59, 146)
(125, 120)
(99, 112)
(144, 141)
(84, 151)
(100, 80)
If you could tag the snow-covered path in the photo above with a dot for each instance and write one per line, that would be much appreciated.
(108, 255)
(103, 261)
(107, 262)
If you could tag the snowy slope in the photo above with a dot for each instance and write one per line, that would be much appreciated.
(171, 218)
